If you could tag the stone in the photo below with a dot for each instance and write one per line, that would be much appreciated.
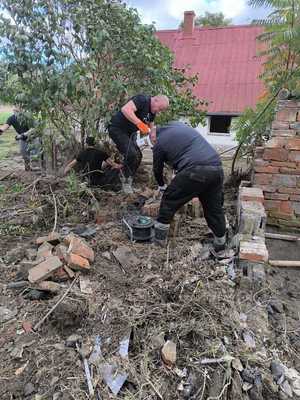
(79, 247)
(52, 238)
(44, 251)
(253, 251)
(29, 389)
(277, 306)
(276, 154)
(72, 340)
(295, 125)
(289, 190)
(78, 263)
(49, 286)
(168, 353)
(6, 314)
(44, 269)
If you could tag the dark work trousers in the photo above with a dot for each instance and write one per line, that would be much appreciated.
(127, 146)
(107, 179)
(204, 182)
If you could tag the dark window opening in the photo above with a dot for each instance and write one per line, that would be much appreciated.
(220, 124)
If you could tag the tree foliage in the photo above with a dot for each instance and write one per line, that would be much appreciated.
(76, 61)
(280, 49)
(211, 19)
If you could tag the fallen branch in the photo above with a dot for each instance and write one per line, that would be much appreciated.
(284, 263)
(37, 326)
(55, 210)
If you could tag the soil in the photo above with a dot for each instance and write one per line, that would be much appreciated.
(169, 294)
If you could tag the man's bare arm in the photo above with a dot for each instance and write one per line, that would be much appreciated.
(4, 128)
(70, 166)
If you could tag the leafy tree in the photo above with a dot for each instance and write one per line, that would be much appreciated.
(280, 45)
(211, 19)
(75, 62)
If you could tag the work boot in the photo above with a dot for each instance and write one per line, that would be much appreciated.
(161, 233)
(218, 250)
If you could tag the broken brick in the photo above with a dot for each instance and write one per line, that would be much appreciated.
(44, 269)
(78, 263)
(44, 251)
(49, 286)
(276, 154)
(52, 238)
(69, 271)
(253, 251)
(60, 275)
(79, 247)
(61, 251)
(287, 114)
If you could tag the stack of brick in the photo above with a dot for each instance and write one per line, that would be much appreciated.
(277, 167)
(252, 222)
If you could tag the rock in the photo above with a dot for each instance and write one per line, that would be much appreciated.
(17, 285)
(34, 294)
(44, 269)
(49, 286)
(168, 353)
(29, 389)
(276, 305)
(72, 340)
(85, 285)
(237, 365)
(247, 386)
(30, 254)
(52, 238)
(158, 341)
(249, 339)
(78, 263)
(6, 314)
(277, 370)
(44, 251)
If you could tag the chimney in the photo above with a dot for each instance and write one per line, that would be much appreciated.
(188, 22)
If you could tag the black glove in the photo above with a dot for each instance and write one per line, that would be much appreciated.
(1, 131)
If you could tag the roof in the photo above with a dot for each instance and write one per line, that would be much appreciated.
(226, 62)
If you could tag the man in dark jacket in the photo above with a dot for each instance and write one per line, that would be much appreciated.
(199, 173)
(96, 166)
(136, 115)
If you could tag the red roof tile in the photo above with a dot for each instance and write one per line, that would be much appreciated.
(226, 62)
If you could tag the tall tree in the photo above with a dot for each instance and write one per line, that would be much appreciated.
(211, 19)
(76, 61)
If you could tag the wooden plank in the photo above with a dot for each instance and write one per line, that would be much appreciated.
(280, 236)
(284, 263)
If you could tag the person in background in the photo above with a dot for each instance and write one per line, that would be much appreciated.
(137, 114)
(97, 167)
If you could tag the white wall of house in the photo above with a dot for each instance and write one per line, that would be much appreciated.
(217, 139)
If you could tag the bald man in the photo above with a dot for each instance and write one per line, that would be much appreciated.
(136, 115)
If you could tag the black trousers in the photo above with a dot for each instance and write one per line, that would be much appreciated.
(204, 182)
(108, 179)
(127, 146)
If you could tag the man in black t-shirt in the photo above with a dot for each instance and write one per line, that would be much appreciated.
(136, 115)
(22, 126)
(96, 165)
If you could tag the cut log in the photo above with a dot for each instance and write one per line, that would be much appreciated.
(284, 263)
(279, 236)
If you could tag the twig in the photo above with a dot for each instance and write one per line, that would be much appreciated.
(155, 390)
(55, 210)
(37, 326)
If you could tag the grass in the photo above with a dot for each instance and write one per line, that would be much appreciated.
(8, 144)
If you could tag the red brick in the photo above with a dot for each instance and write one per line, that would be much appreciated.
(262, 179)
(290, 171)
(276, 196)
(259, 151)
(272, 205)
(293, 144)
(259, 162)
(52, 238)
(77, 262)
(280, 215)
(44, 251)
(251, 194)
(296, 207)
(284, 163)
(287, 114)
(79, 247)
(284, 180)
(269, 169)
(286, 208)
(293, 103)
(60, 275)
(253, 251)
(275, 143)
(280, 125)
(295, 125)
(284, 133)
(44, 269)
(266, 188)
(275, 154)
(298, 116)
(294, 156)
(295, 197)
(289, 190)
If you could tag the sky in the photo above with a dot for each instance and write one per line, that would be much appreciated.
(167, 14)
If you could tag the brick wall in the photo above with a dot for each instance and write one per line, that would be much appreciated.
(277, 167)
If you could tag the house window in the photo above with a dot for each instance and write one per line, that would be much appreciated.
(220, 124)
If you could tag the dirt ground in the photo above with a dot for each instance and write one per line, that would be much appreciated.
(167, 294)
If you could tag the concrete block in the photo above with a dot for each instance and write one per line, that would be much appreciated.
(43, 270)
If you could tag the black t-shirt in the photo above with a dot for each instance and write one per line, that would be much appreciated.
(19, 123)
(89, 160)
(143, 112)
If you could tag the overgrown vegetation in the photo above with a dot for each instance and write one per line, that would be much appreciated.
(73, 63)
(281, 49)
